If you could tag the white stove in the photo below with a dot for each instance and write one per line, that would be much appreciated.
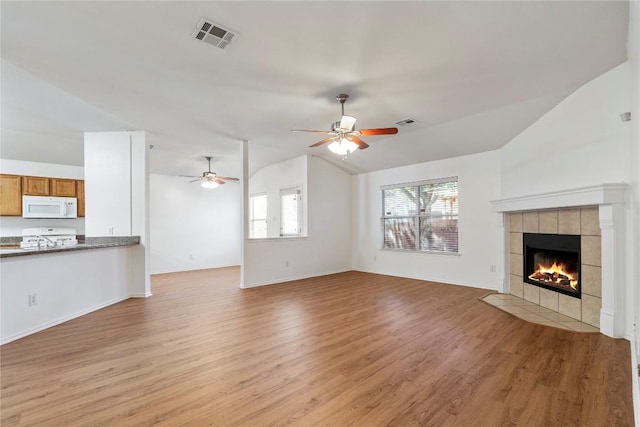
(41, 238)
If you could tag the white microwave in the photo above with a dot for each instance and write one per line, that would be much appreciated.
(49, 207)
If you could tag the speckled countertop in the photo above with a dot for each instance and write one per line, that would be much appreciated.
(8, 249)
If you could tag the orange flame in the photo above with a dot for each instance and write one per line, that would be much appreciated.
(554, 274)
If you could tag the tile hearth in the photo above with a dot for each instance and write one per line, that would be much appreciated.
(535, 313)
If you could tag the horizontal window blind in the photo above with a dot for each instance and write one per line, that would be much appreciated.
(421, 216)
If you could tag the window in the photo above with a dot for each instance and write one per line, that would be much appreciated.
(290, 211)
(258, 216)
(421, 216)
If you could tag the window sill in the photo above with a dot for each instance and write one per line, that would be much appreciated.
(409, 251)
(276, 239)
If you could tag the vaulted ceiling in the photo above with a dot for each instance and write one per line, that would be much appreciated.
(472, 74)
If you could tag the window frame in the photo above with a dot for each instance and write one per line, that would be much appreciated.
(297, 190)
(253, 220)
(419, 216)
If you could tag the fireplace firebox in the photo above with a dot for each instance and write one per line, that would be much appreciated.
(552, 261)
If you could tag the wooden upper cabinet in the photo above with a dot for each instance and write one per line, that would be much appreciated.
(61, 187)
(35, 186)
(13, 187)
(10, 195)
(80, 195)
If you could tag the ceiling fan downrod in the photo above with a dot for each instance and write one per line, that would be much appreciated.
(342, 98)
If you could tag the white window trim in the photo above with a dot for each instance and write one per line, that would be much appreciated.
(252, 219)
(297, 190)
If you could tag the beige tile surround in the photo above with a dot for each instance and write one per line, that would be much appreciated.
(576, 221)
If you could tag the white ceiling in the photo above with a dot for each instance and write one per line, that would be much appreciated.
(473, 75)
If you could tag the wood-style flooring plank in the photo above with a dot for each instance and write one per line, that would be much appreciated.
(345, 349)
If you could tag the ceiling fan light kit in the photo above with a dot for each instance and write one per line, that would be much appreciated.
(209, 184)
(345, 139)
(343, 147)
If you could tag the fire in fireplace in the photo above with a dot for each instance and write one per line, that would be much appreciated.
(552, 261)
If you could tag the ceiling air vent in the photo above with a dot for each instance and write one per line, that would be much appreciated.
(214, 34)
(405, 122)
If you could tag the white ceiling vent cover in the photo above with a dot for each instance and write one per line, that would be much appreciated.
(214, 34)
(405, 122)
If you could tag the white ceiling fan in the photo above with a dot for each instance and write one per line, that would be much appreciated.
(345, 138)
(210, 179)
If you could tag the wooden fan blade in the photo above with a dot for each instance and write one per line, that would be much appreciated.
(314, 131)
(218, 180)
(361, 144)
(379, 131)
(226, 178)
(196, 180)
(324, 141)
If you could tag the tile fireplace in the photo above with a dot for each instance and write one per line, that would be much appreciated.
(569, 236)
(596, 216)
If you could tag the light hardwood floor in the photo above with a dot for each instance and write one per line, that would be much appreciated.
(346, 349)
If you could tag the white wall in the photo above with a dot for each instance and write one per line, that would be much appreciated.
(12, 226)
(273, 178)
(478, 184)
(107, 161)
(326, 249)
(633, 46)
(117, 195)
(67, 285)
(580, 142)
(192, 227)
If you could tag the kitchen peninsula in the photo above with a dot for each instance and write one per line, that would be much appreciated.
(57, 280)
(41, 288)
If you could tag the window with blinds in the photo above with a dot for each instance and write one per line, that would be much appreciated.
(421, 216)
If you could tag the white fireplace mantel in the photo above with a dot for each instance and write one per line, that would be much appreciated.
(611, 202)
(596, 195)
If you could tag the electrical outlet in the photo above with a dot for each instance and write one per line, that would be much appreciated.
(110, 231)
(492, 268)
(33, 300)
(286, 263)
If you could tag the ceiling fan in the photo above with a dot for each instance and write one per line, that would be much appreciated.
(210, 179)
(344, 137)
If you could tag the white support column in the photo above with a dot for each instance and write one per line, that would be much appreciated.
(141, 254)
(245, 208)
(612, 313)
(504, 282)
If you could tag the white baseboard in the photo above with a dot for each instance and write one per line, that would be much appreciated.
(290, 279)
(635, 381)
(145, 295)
(493, 287)
(22, 334)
